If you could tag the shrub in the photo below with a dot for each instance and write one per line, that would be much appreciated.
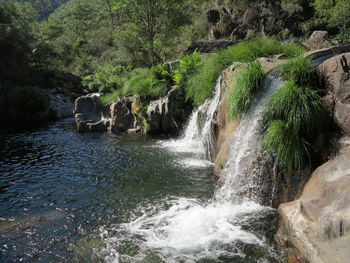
(153, 83)
(106, 79)
(187, 67)
(248, 83)
(29, 100)
(295, 116)
(299, 68)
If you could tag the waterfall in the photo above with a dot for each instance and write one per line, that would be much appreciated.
(190, 229)
(242, 176)
(198, 139)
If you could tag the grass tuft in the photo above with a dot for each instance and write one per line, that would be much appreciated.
(291, 149)
(200, 86)
(295, 117)
(299, 68)
(248, 83)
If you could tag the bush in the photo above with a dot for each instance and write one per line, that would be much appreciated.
(187, 67)
(248, 83)
(299, 68)
(29, 100)
(106, 79)
(152, 83)
(295, 116)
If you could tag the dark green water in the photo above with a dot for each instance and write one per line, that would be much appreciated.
(69, 197)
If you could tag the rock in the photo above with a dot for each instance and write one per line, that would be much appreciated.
(250, 16)
(171, 66)
(90, 114)
(60, 104)
(318, 223)
(318, 40)
(334, 75)
(167, 114)
(122, 118)
(327, 52)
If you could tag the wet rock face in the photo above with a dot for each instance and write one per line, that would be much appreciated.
(167, 114)
(90, 114)
(334, 75)
(318, 223)
(122, 118)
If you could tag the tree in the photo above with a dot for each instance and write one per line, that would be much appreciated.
(334, 14)
(150, 26)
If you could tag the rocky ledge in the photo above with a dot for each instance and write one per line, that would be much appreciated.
(132, 114)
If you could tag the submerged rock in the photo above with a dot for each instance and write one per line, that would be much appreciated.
(334, 75)
(90, 114)
(318, 223)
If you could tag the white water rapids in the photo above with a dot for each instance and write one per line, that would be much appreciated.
(187, 230)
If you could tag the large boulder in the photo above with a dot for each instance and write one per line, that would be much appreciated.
(167, 114)
(318, 40)
(90, 114)
(317, 225)
(334, 75)
(60, 104)
(122, 118)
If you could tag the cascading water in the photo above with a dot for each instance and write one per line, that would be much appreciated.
(195, 140)
(227, 226)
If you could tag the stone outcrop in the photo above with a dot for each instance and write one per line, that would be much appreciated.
(318, 40)
(334, 75)
(167, 115)
(60, 104)
(318, 223)
(122, 118)
(90, 114)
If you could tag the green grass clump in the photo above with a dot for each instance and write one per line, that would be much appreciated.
(299, 67)
(200, 86)
(295, 116)
(290, 149)
(248, 83)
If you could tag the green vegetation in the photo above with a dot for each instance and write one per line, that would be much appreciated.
(295, 117)
(299, 68)
(187, 67)
(335, 15)
(248, 83)
(200, 86)
(220, 166)
(152, 83)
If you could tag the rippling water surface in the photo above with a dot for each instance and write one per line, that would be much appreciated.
(69, 197)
